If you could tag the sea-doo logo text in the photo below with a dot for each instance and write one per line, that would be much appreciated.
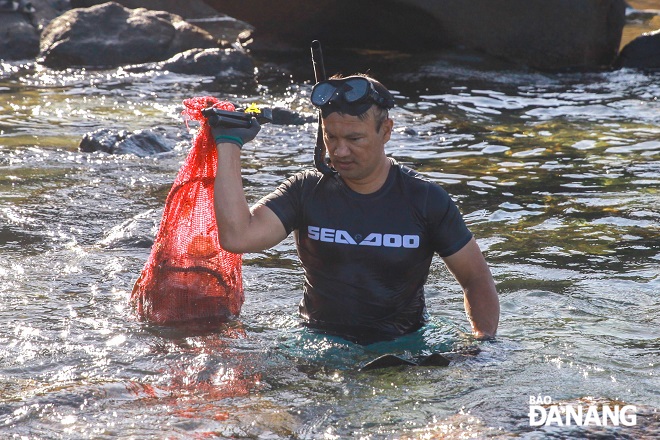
(373, 239)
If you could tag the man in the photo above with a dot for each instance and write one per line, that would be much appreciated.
(366, 233)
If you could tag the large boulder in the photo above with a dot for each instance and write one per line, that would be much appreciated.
(110, 35)
(186, 9)
(225, 29)
(548, 35)
(545, 34)
(641, 53)
(370, 24)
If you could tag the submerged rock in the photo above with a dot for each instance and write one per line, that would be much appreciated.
(140, 143)
(138, 231)
(641, 53)
(110, 35)
(226, 65)
(157, 140)
(212, 62)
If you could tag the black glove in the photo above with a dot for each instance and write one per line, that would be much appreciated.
(236, 135)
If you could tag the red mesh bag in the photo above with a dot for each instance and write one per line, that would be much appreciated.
(188, 276)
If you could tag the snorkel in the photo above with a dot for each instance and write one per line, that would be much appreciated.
(319, 75)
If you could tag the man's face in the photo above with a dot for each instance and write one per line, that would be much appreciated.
(356, 149)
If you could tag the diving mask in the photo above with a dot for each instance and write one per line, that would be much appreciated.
(352, 95)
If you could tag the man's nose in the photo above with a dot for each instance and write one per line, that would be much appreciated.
(341, 149)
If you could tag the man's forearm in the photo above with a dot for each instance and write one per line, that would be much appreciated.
(482, 307)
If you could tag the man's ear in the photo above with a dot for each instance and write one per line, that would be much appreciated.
(387, 129)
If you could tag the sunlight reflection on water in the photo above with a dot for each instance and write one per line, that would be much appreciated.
(557, 176)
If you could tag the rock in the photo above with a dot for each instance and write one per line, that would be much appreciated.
(225, 65)
(641, 53)
(21, 23)
(19, 39)
(22, 6)
(548, 35)
(371, 24)
(223, 28)
(102, 139)
(211, 62)
(110, 35)
(227, 30)
(187, 9)
(138, 231)
(140, 143)
(46, 10)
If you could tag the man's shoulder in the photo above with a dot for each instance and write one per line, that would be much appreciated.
(420, 185)
(413, 177)
(300, 183)
(308, 175)
(409, 172)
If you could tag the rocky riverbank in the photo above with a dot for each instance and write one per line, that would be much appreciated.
(557, 35)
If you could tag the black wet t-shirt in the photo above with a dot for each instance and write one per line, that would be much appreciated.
(366, 257)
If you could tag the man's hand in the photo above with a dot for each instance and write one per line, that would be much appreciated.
(235, 135)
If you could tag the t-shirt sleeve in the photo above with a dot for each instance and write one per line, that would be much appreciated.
(285, 201)
(447, 229)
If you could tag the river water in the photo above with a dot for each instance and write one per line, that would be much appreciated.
(557, 175)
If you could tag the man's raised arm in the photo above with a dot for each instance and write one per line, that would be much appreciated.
(240, 229)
